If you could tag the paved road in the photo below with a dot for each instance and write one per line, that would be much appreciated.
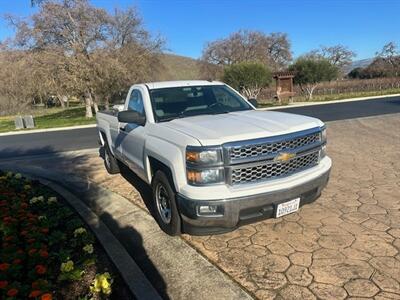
(47, 142)
(78, 139)
(349, 110)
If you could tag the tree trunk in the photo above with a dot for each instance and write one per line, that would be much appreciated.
(61, 100)
(96, 103)
(95, 106)
(310, 90)
(107, 103)
(88, 105)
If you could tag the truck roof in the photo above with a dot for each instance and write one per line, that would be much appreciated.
(180, 83)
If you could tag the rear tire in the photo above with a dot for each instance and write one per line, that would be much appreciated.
(110, 162)
(164, 204)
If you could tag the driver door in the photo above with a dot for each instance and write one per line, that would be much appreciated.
(132, 136)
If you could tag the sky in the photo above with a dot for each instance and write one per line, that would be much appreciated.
(187, 25)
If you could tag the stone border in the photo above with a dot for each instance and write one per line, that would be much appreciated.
(130, 272)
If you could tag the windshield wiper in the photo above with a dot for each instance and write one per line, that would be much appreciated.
(170, 118)
(220, 112)
(183, 114)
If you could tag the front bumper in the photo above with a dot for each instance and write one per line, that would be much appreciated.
(235, 212)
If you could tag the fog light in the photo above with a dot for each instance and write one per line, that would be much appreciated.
(207, 210)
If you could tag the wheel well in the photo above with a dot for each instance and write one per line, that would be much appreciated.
(156, 165)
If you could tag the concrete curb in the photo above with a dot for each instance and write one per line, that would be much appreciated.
(329, 102)
(130, 272)
(184, 273)
(47, 130)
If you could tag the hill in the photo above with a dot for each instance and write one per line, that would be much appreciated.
(176, 67)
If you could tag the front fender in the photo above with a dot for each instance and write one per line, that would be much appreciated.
(171, 155)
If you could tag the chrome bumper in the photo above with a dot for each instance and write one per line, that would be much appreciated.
(234, 212)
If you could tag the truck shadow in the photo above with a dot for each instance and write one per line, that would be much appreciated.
(142, 187)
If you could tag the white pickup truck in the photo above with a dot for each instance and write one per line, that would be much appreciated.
(213, 160)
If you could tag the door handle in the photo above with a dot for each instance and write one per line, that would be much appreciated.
(122, 129)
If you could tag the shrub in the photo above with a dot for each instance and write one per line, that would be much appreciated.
(249, 78)
(309, 72)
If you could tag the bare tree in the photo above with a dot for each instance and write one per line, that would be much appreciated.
(85, 51)
(337, 55)
(244, 46)
(390, 54)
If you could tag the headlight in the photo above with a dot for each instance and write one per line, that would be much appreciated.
(204, 165)
(203, 155)
(323, 135)
(206, 176)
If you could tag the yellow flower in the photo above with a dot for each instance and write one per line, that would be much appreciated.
(40, 198)
(3, 178)
(67, 266)
(33, 200)
(88, 248)
(40, 218)
(9, 174)
(102, 283)
(79, 231)
(18, 176)
(52, 200)
(27, 187)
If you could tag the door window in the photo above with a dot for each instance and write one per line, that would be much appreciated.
(136, 102)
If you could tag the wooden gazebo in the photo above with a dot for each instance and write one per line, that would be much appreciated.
(284, 85)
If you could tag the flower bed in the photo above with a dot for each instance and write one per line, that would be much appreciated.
(46, 251)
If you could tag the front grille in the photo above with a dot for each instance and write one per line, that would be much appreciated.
(237, 153)
(273, 169)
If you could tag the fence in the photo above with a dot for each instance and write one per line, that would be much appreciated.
(345, 86)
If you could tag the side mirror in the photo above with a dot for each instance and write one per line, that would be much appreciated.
(131, 116)
(254, 102)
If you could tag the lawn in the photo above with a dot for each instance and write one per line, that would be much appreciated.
(51, 118)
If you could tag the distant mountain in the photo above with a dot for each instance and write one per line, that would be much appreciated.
(362, 63)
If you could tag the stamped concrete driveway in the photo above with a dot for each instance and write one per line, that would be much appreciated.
(344, 245)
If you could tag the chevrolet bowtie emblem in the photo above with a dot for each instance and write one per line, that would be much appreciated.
(284, 156)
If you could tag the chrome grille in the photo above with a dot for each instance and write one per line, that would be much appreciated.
(237, 153)
(273, 169)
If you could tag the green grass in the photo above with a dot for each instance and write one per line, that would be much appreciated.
(51, 118)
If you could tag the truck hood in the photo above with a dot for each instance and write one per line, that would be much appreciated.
(244, 125)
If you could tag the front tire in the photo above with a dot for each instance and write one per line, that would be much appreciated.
(110, 162)
(164, 204)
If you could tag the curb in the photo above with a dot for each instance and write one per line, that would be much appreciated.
(130, 272)
(15, 132)
(328, 102)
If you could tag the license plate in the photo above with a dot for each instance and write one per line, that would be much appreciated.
(288, 207)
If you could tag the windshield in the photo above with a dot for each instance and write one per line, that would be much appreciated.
(180, 102)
